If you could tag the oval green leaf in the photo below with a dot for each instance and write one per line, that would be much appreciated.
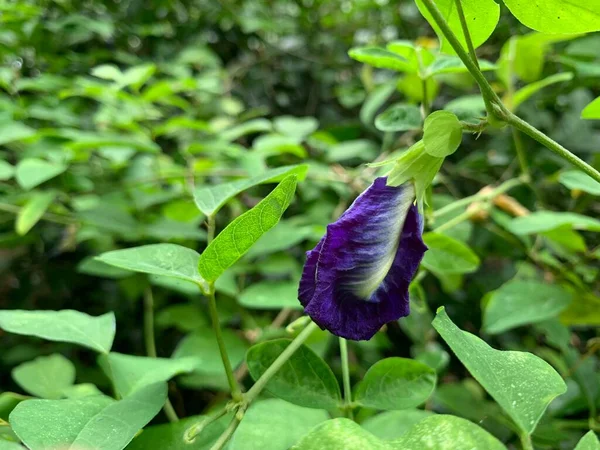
(396, 383)
(305, 379)
(592, 111)
(33, 211)
(442, 134)
(519, 303)
(399, 117)
(45, 376)
(271, 295)
(380, 58)
(541, 221)
(447, 255)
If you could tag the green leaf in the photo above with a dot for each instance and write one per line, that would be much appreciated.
(557, 16)
(91, 266)
(172, 436)
(524, 93)
(169, 260)
(202, 345)
(271, 295)
(210, 199)
(14, 131)
(380, 58)
(6, 445)
(132, 373)
(107, 72)
(95, 422)
(519, 303)
(439, 432)
(296, 127)
(521, 383)
(576, 180)
(589, 442)
(6, 171)
(362, 149)
(396, 383)
(442, 134)
(32, 172)
(305, 379)
(251, 127)
(583, 311)
(524, 56)
(375, 101)
(275, 424)
(33, 211)
(399, 117)
(391, 425)
(481, 16)
(453, 64)
(340, 434)
(237, 238)
(592, 111)
(448, 256)
(184, 316)
(469, 108)
(45, 376)
(67, 325)
(541, 221)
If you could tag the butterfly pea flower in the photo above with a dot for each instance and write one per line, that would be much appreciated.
(356, 279)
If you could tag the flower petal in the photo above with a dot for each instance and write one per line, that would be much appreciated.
(356, 279)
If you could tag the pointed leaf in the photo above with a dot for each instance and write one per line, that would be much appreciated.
(237, 238)
(524, 93)
(381, 58)
(519, 303)
(576, 180)
(523, 394)
(67, 325)
(592, 111)
(447, 255)
(45, 376)
(32, 172)
(33, 211)
(96, 422)
(169, 260)
(589, 442)
(131, 373)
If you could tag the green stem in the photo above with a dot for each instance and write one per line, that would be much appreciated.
(210, 228)
(224, 438)
(465, 28)
(488, 93)
(526, 441)
(150, 343)
(552, 145)
(346, 378)
(260, 384)
(494, 105)
(236, 392)
(455, 221)
(521, 153)
(48, 217)
(504, 187)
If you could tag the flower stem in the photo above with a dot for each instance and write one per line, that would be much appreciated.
(227, 434)
(525, 441)
(236, 392)
(346, 378)
(465, 28)
(260, 384)
(150, 343)
(504, 187)
(210, 228)
(494, 105)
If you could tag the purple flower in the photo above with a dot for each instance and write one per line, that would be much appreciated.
(356, 279)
